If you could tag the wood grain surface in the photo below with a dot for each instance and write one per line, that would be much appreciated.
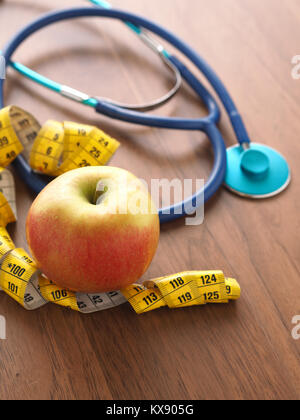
(242, 350)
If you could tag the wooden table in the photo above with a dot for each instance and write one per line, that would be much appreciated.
(242, 350)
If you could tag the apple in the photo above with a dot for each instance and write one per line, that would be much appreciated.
(93, 230)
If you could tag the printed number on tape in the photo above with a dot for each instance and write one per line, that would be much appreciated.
(18, 130)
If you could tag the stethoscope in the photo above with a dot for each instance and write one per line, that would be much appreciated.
(248, 169)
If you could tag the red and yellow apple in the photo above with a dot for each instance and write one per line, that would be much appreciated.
(89, 245)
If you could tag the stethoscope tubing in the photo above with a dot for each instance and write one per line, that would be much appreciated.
(207, 125)
(208, 72)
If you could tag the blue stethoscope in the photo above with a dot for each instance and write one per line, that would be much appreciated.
(248, 169)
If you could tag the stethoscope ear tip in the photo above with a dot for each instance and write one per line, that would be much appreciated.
(257, 171)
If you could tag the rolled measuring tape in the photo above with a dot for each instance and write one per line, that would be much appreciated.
(54, 149)
(62, 147)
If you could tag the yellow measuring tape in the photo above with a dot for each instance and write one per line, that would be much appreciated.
(182, 290)
(61, 147)
(54, 149)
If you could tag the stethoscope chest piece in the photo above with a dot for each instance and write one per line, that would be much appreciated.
(256, 171)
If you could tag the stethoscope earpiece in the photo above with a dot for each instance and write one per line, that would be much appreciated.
(256, 171)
